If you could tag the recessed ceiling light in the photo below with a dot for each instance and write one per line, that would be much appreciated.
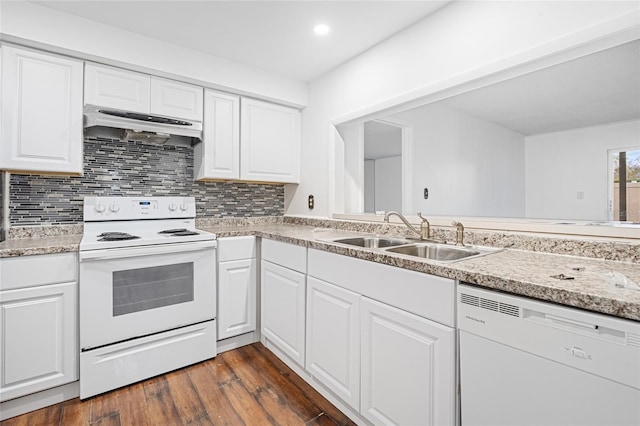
(321, 29)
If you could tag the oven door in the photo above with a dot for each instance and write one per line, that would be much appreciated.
(138, 291)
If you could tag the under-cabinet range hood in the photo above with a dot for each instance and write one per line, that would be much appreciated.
(126, 125)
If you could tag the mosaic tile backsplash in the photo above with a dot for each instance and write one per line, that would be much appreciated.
(115, 168)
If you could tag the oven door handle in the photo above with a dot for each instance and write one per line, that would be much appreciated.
(129, 252)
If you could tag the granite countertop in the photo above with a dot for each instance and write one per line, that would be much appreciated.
(42, 245)
(518, 272)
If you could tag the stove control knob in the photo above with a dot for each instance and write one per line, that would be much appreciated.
(114, 208)
(184, 207)
(100, 208)
(172, 207)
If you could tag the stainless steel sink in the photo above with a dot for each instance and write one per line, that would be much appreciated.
(441, 252)
(372, 242)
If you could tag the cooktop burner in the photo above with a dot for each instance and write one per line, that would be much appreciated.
(116, 236)
(179, 232)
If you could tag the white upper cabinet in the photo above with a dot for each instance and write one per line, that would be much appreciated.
(132, 91)
(116, 88)
(41, 112)
(269, 142)
(175, 99)
(218, 156)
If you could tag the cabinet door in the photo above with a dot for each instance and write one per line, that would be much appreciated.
(218, 156)
(41, 112)
(175, 99)
(269, 142)
(283, 310)
(38, 339)
(408, 368)
(236, 298)
(333, 339)
(116, 88)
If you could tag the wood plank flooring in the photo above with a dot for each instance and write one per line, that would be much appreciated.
(245, 386)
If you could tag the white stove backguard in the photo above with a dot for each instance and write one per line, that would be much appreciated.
(138, 208)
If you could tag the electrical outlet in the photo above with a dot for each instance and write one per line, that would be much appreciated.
(426, 193)
(310, 202)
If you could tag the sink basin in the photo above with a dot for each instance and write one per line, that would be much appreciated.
(441, 252)
(372, 242)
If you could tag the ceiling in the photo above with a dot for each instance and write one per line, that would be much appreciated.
(381, 140)
(600, 88)
(271, 35)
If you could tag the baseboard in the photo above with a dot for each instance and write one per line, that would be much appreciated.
(237, 341)
(35, 401)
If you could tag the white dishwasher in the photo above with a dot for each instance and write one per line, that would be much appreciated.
(524, 362)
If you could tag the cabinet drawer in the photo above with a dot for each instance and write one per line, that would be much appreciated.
(285, 254)
(236, 248)
(422, 294)
(29, 271)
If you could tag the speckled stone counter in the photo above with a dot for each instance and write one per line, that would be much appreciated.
(44, 245)
(514, 271)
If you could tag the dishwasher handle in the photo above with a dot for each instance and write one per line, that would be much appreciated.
(569, 324)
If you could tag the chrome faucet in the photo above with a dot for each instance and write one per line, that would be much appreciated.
(459, 233)
(425, 230)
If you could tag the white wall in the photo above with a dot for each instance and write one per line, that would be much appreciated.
(388, 183)
(553, 178)
(470, 166)
(42, 27)
(461, 38)
(383, 184)
(369, 186)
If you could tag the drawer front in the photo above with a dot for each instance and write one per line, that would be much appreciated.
(288, 255)
(30, 271)
(236, 248)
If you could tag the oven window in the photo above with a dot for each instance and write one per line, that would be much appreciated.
(142, 289)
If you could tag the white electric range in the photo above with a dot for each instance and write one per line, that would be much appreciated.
(147, 290)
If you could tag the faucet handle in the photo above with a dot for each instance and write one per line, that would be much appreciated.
(459, 232)
(424, 219)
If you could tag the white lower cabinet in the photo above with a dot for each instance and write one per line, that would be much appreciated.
(381, 339)
(283, 313)
(237, 286)
(333, 339)
(236, 298)
(408, 365)
(283, 291)
(38, 325)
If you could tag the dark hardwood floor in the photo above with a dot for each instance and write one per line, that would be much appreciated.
(245, 386)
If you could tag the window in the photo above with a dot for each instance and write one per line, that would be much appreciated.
(624, 199)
